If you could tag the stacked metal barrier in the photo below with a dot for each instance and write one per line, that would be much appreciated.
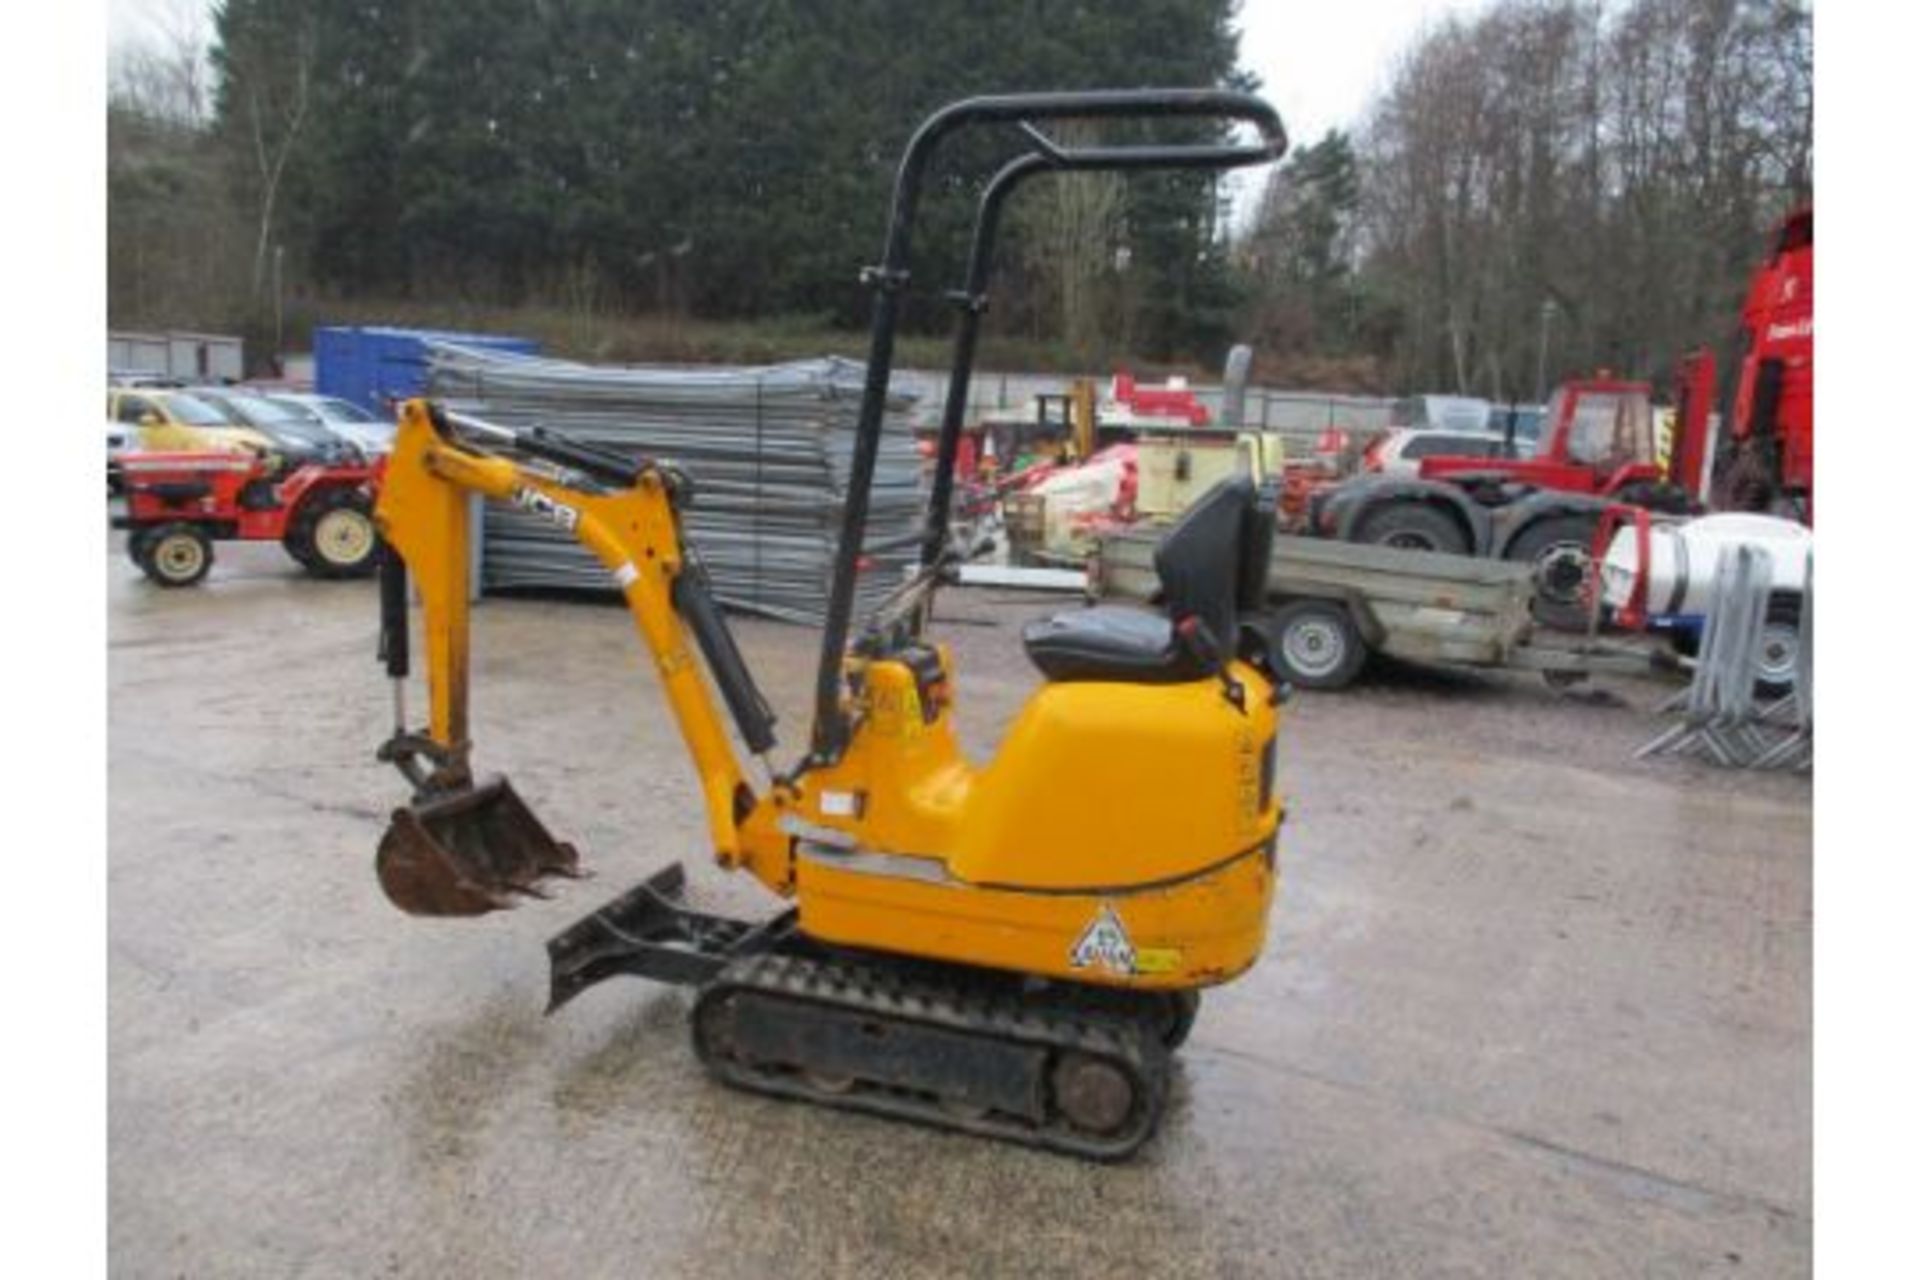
(768, 450)
(1724, 718)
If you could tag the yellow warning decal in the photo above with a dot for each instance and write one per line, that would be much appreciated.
(1156, 960)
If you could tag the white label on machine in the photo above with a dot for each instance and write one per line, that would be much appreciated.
(1439, 617)
(839, 804)
(539, 504)
(1104, 945)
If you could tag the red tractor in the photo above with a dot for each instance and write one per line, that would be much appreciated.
(1597, 448)
(180, 504)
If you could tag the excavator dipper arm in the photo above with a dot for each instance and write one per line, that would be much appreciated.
(461, 848)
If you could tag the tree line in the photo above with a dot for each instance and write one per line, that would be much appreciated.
(1553, 187)
(716, 158)
(1547, 187)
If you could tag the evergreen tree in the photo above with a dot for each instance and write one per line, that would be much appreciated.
(732, 157)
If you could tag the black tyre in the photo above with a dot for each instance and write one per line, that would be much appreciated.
(175, 555)
(297, 542)
(136, 543)
(1560, 549)
(332, 534)
(302, 553)
(1412, 526)
(1779, 647)
(1314, 644)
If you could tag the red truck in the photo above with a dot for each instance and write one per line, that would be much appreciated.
(1599, 448)
(1766, 462)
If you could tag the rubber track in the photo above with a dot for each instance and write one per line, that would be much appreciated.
(952, 1000)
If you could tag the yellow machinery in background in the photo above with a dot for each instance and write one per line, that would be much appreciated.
(1178, 464)
(1177, 467)
(1011, 948)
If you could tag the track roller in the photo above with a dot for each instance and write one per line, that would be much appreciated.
(941, 1046)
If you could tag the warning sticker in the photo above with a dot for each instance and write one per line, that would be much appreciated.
(539, 504)
(1104, 945)
(1157, 960)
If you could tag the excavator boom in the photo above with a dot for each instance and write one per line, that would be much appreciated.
(462, 848)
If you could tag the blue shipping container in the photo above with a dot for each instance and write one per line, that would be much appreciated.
(374, 366)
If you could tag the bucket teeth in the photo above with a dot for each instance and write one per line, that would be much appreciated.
(469, 852)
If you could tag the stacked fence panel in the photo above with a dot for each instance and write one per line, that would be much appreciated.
(768, 450)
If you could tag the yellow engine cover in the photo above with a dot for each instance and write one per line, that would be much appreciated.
(1123, 834)
(1115, 786)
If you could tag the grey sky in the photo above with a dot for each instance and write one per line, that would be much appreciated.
(146, 20)
(1320, 63)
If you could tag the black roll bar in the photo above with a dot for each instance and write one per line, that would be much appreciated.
(972, 296)
(888, 280)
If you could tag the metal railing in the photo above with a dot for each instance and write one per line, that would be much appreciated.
(1725, 717)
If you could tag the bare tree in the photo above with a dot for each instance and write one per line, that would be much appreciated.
(265, 60)
(171, 226)
(162, 75)
(1619, 162)
(275, 114)
(1073, 225)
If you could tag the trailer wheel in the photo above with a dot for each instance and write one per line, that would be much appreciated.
(1315, 644)
(1779, 647)
(176, 555)
(1412, 526)
(333, 534)
(1560, 549)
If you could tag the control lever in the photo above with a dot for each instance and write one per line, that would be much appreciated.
(1200, 641)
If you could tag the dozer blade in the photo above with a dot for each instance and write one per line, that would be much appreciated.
(468, 853)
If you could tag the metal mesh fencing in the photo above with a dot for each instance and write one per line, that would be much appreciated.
(1725, 715)
(768, 449)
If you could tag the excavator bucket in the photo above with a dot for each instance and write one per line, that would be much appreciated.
(469, 852)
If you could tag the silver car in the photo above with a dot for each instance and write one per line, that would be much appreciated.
(372, 433)
(1398, 452)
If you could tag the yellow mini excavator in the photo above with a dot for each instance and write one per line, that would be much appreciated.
(1011, 948)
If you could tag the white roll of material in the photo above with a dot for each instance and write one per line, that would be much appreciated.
(1682, 559)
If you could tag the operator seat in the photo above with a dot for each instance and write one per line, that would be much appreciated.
(1212, 563)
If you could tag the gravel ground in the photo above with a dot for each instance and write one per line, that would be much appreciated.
(1529, 1008)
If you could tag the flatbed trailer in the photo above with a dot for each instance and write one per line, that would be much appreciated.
(1332, 604)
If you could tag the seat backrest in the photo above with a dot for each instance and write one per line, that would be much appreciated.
(1199, 559)
(1256, 547)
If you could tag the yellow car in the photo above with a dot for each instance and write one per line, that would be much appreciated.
(175, 422)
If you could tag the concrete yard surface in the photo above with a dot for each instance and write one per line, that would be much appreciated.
(1529, 1008)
